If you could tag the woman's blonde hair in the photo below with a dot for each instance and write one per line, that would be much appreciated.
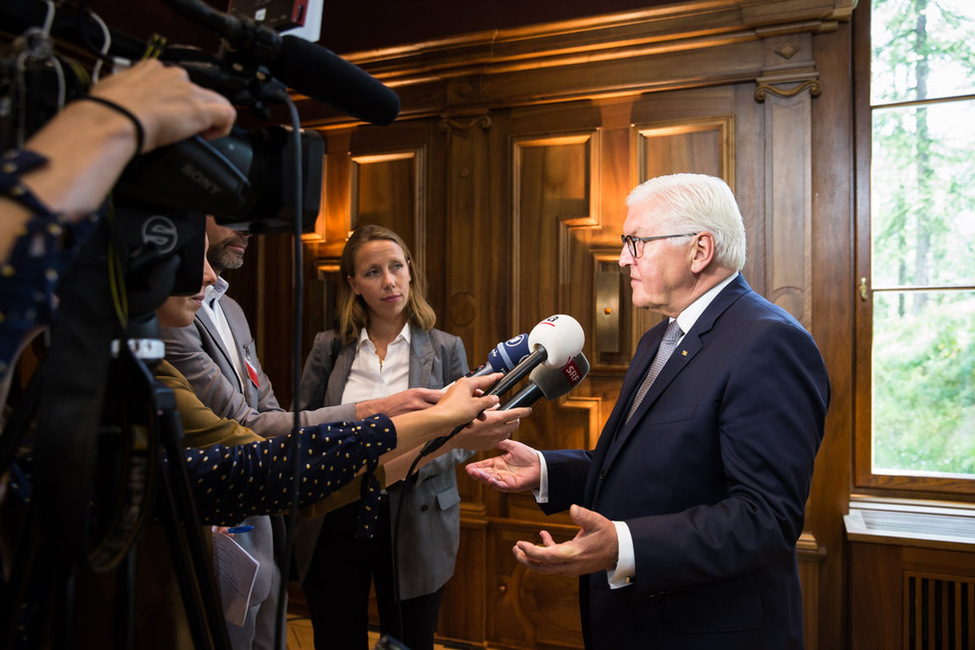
(353, 312)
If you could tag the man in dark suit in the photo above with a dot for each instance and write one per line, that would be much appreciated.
(691, 504)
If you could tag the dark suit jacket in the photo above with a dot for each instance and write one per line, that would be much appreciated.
(711, 475)
(429, 533)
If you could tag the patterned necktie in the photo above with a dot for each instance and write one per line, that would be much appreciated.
(667, 347)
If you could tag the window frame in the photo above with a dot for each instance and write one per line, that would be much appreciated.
(864, 478)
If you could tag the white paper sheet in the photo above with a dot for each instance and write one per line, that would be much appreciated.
(236, 571)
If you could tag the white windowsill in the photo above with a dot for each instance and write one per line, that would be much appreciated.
(930, 524)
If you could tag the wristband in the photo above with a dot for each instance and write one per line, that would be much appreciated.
(140, 134)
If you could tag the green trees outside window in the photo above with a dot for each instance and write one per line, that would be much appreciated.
(923, 237)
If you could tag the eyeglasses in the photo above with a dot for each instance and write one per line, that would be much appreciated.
(630, 241)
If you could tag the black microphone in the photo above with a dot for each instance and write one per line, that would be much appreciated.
(550, 383)
(309, 68)
(326, 77)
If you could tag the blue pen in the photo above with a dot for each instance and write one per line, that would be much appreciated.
(240, 529)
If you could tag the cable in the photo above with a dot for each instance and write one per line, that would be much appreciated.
(106, 45)
(295, 443)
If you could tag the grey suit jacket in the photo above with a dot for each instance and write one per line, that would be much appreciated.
(215, 380)
(429, 532)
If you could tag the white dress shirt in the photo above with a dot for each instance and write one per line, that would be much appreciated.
(213, 309)
(371, 379)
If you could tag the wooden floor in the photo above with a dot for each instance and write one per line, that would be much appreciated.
(300, 635)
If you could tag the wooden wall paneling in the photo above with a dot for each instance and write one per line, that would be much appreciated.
(702, 146)
(463, 608)
(386, 191)
(833, 324)
(528, 609)
(477, 240)
(335, 220)
(552, 179)
(875, 597)
(911, 597)
(786, 90)
(749, 169)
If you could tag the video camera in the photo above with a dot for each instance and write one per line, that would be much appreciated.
(95, 411)
(264, 180)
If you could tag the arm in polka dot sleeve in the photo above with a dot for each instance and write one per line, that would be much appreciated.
(231, 483)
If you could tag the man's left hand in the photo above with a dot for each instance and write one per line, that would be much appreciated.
(594, 548)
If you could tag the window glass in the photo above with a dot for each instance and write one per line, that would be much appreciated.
(924, 382)
(923, 195)
(922, 216)
(921, 49)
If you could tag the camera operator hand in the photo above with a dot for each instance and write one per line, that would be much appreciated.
(169, 105)
(66, 169)
(88, 144)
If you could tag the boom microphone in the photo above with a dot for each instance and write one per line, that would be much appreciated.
(310, 69)
(550, 383)
(326, 77)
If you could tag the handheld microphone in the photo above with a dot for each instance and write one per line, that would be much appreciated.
(553, 342)
(309, 68)
(504, 356)
(550, 383)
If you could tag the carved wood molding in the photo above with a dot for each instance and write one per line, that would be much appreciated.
(814, 87)
(449, 124)
(599, 35)
(603, 56)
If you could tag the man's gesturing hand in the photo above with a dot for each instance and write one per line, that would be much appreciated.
(594, 548)
(518, 469)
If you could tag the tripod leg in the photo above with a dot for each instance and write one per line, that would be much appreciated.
(125, 601)
(195, 582)
(16, 593)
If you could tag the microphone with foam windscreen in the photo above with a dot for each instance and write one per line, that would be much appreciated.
(307, 67)
(550, 383)
(553, 342)
(326, 77)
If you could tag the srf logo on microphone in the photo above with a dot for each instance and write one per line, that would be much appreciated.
(572, 372)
